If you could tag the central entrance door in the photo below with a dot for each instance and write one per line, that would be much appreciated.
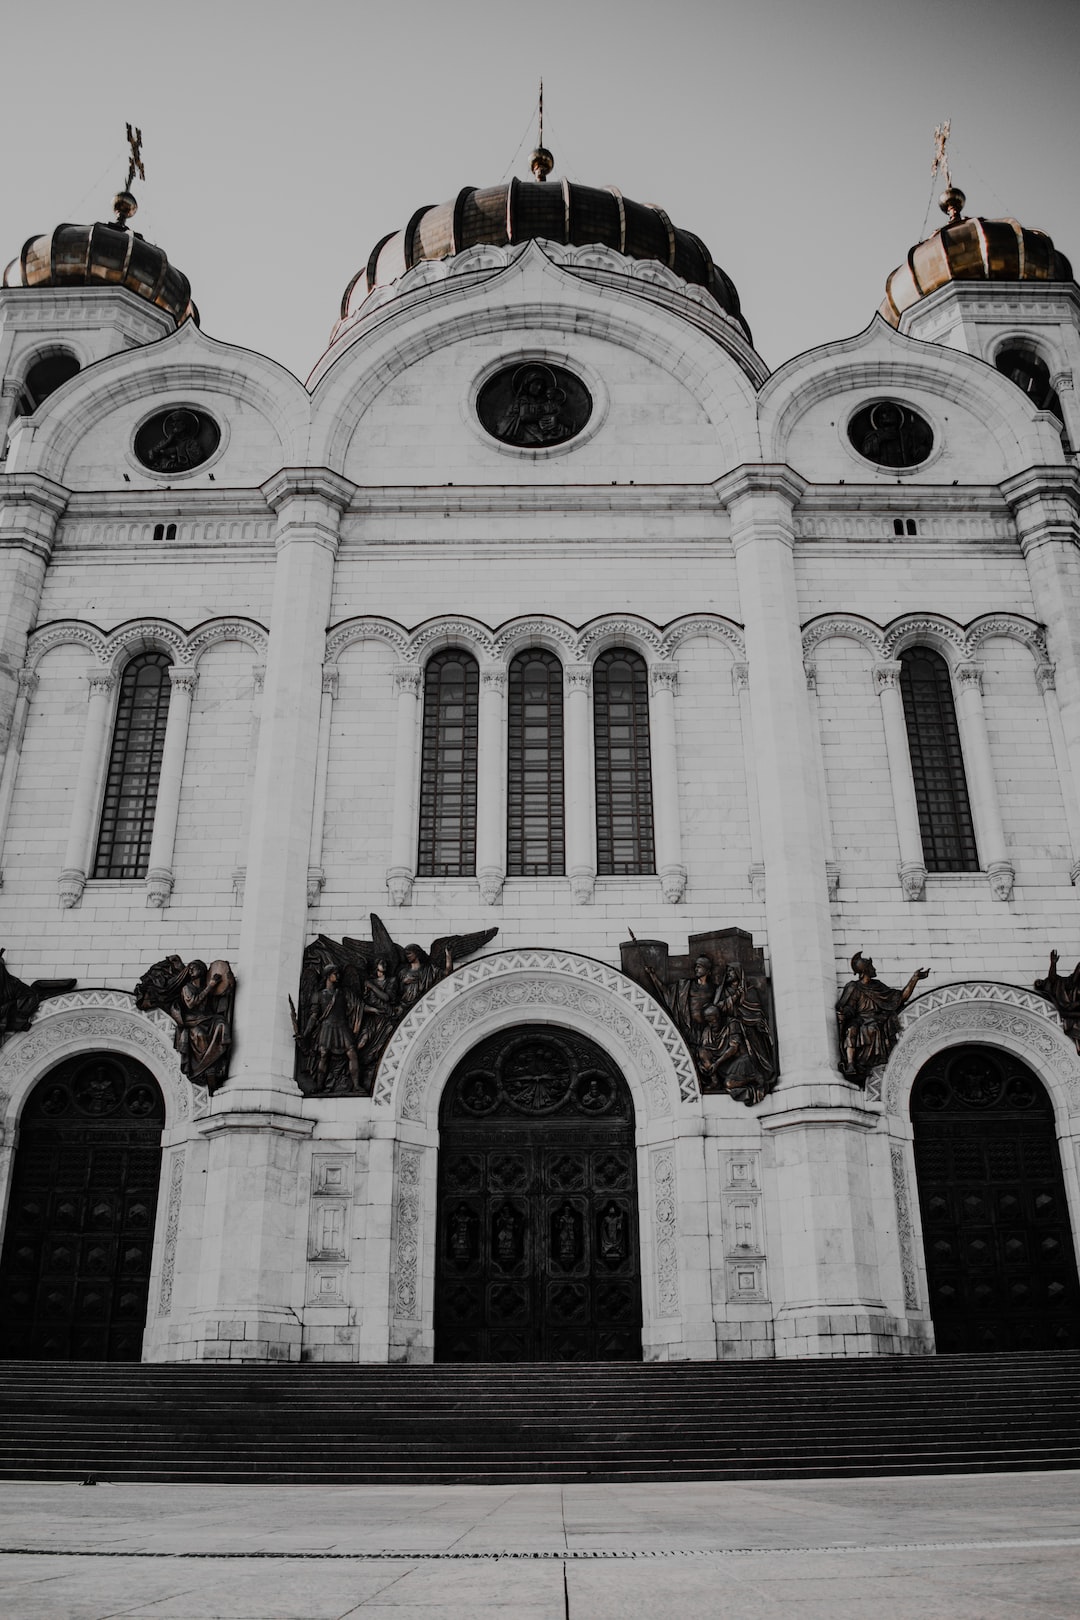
(537, 1255)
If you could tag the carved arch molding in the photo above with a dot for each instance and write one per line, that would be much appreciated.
(88, 1020)
(991, 1014)
(524, 986)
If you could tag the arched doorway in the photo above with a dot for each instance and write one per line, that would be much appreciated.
(999, 1250)
(75, 1270)
(537, 1246)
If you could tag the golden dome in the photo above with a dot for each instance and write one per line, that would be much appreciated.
(971, 250)
(104, 255)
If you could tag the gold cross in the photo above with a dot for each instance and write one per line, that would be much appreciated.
(135, 165)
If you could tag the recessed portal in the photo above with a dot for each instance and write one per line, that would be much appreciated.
(537, 1254)
(75, 1271)
(999, 1248)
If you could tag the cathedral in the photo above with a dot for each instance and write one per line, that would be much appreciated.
(548, 841)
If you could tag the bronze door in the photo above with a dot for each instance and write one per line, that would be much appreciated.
(537, 1256)
(999, 1250)
(75, 1270)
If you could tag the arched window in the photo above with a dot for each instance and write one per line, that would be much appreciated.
(624, 818)
(448, 767)
(127, 816)
(937, 763)
(536, 840)
(45, 376)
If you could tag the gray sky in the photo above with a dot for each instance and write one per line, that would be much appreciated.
(282, 140)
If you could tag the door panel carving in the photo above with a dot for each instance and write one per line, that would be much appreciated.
(75, 1270)
(999, 1250)
(537, 1256)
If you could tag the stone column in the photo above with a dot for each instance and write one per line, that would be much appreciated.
(831, 868)
(816, 1126)
(740, 674)
(29, 509)
(491, 784)
(1046, 506)
(86, 804)
(401, 872)
(1045, 675)
(159, 874)
(905, 804)
(580, 777)
(308, 504)
(27, 686)
(663, 680)
(982, 789)
(316, 875)
(760, 501)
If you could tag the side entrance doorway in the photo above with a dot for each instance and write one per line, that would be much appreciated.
(75, 1269)
(537, 1240)
(999, 1249)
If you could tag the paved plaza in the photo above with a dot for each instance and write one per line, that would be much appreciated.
(958, 1547)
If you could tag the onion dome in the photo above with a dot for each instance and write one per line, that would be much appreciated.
(104, 255)
(526, 211)
(971, 250)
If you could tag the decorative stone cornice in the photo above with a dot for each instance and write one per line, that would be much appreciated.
(33, 489)
(318, 483)
(765, 478)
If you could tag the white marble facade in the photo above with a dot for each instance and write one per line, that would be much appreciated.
(716, 518)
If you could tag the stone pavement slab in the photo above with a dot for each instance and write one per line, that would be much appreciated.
(958, 1547)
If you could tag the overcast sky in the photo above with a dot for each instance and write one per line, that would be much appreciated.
(282, 140)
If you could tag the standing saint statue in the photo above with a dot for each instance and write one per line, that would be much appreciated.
(868, 1018)
(1065, 995)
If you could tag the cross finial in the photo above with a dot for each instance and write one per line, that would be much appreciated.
(952, 199)
(135, 163)
(124, 204)
(541, 163)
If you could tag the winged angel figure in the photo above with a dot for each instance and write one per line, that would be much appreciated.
(353, 995)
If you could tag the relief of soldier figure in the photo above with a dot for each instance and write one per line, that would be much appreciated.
(868, 1018)
(353, 995)
(20, 1001)
(718, 998)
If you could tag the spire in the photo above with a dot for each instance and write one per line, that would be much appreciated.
(541, 163)
(124, 204)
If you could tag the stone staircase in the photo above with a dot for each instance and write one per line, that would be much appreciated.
(498, 1424)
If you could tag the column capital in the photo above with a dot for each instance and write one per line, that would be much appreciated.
(407, 678)
(968, 676)
(578, 677)
(100, 682)
(317, 483)
(887, 674)
(29, 680)
(331, 679)
(1046, 677)
(493, 676)
(664, 677)
(762, 478)
(183, 677)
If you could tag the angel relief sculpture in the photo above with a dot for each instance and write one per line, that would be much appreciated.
(353, 995)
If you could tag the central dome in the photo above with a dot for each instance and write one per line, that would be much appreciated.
(527, 211)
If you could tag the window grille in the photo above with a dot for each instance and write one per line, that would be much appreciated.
(448, 767)
(131, 786)
(536, 837)
(937, 763)
(624, 815)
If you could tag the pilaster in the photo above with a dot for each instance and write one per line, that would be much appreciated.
(30, 507)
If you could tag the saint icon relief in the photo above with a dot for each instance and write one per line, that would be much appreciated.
(353, 995)
(534, 405)
(718, 999)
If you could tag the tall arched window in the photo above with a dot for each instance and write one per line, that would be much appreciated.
(448, 767)
(624, 816)
(937, 763)
(131, 786)
(536, 833)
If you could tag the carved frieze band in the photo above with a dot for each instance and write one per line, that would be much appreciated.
(526, 981)
(903, 1226)
(407, 1220)
(665, 1231)
(172, 1229)
(960, 643)
(498, 646)
(112, 648)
